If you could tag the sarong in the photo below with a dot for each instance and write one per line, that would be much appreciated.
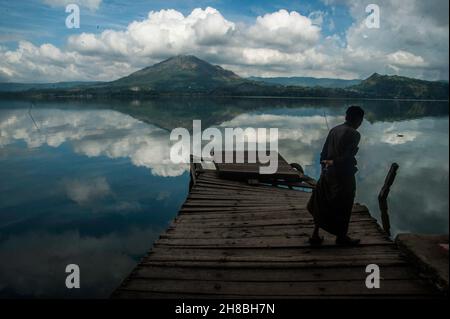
(331, 202)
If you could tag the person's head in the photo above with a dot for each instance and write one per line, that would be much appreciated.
(354, 116)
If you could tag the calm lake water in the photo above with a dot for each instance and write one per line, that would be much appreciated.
(91, 183)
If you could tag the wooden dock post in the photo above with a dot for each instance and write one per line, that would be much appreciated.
(194, 171)
(382, 197)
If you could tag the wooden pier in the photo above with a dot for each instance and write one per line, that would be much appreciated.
(236, 240)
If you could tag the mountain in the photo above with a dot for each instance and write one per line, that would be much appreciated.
(395, 86)
(307, 81)
(180, 73)
(188, 75)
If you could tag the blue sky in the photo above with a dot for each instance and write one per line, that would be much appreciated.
(35, 21)
(321, 38)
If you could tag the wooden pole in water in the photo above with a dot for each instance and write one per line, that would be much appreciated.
(195, 169)
(192, 173)
(382, 197)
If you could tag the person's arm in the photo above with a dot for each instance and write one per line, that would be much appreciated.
(350, 142)
(324, 153)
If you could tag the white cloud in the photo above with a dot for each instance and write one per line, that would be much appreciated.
(163, 33)
(46, 62)
(284, 30)
(279, 43)
(413, 34)
(211, 27)
(406, 59)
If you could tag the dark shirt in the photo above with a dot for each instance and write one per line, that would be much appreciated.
(341, 146)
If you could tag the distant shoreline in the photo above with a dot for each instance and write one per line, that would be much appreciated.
(11, 96)
(339, 98)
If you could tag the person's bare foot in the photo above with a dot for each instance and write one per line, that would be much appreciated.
(347, 241)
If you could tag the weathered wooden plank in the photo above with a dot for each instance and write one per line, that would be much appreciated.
(306, 259)
(250, 219)
(381, 262)
(272, 208)
(268, 275)
(268, 230)
(244, 204)
(353, 287)
(241, 186)
(201, 186)
(234, 211)
(283, 252)
(294, 241)
(260, 199)
(215, 185)
(255, 223)
(238, 209)
(182, 223)
(263, 213)
(238, 190)
(254, 233)
(273, 255)
(278, 252)
(260, 188)
(193, 219)
(230, 212)
(187, 218)
(216, 182)
(130, 294)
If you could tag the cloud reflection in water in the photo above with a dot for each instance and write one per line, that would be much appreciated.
(93, 133)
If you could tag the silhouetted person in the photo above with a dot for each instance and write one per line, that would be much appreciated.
(332, 200)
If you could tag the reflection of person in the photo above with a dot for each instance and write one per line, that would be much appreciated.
(332, 200)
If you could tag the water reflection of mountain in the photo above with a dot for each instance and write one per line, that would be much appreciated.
(169, 113)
